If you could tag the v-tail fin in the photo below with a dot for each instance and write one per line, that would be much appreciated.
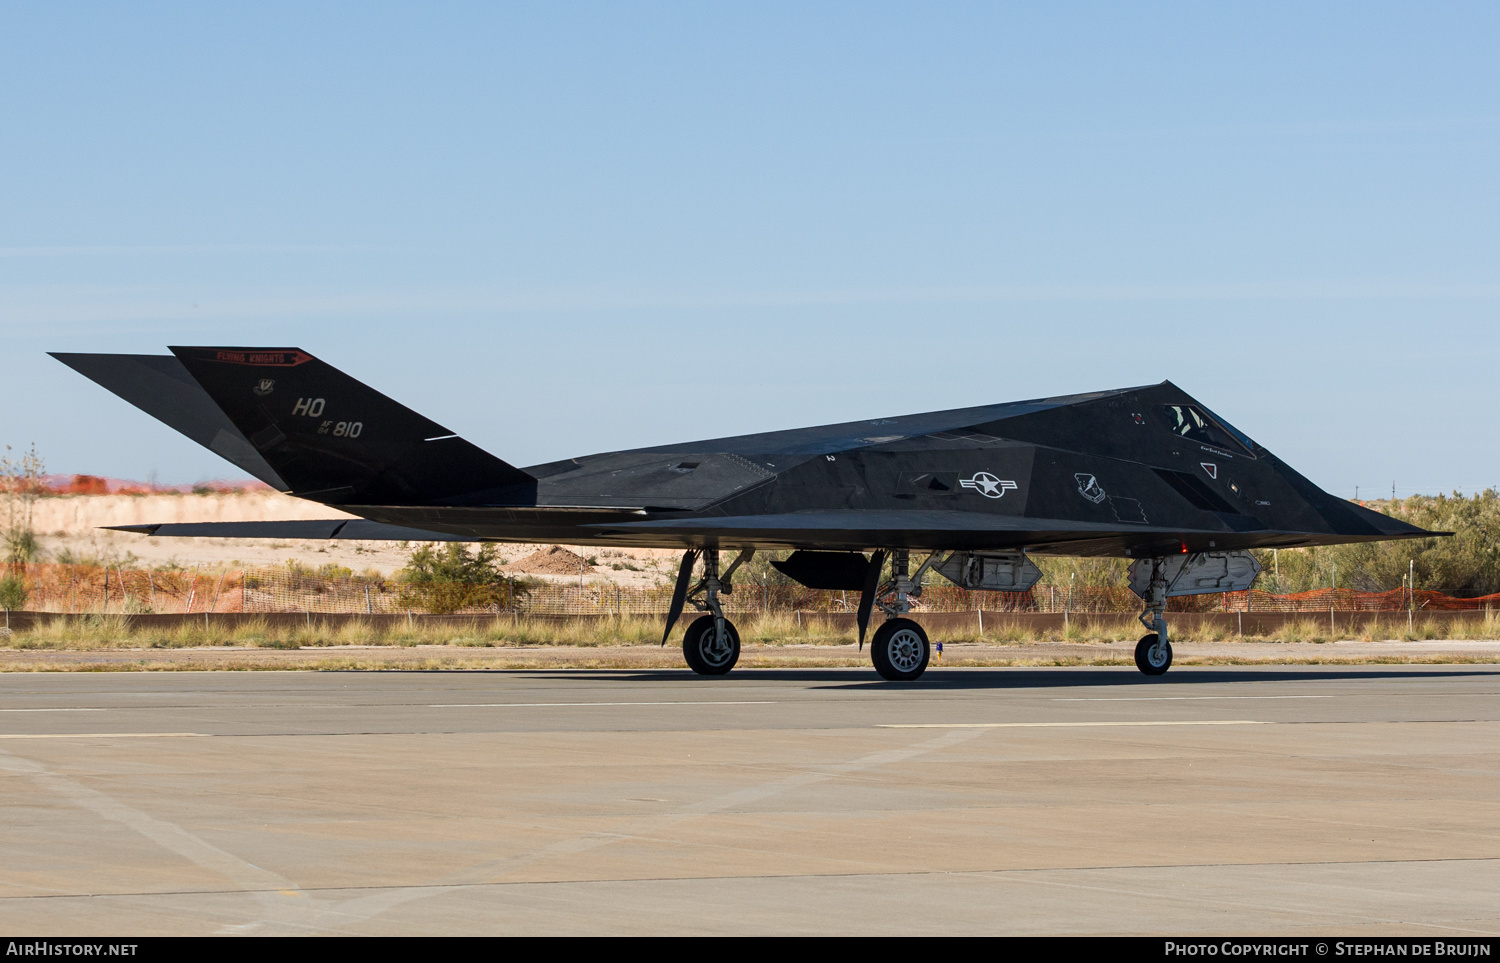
(341, 442)
(161, 387)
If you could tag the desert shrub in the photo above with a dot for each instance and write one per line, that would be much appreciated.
(328, 570)
(452, 579)
(1465, 565)
(20, 487)
(13, 593)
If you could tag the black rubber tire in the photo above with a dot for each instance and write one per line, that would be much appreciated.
(700, 658)
(900, 650)
(1143, 652)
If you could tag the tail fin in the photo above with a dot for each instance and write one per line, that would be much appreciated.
(341, 442)
(161, 387)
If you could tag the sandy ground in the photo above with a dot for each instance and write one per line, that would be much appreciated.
(73, 526)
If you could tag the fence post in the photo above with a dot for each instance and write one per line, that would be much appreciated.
(215, 600)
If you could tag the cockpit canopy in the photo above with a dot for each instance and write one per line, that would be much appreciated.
(1192, 422)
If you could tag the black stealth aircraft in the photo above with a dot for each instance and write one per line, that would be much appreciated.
(1141, 473)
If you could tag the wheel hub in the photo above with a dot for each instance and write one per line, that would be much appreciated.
(715, 645)
(905, 650)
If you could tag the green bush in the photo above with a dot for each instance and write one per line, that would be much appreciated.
(13, 593)
(21, 545)
(452, 579)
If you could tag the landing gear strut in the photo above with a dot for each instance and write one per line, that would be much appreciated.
(1153, 654)
(900, 649)
(711, 644)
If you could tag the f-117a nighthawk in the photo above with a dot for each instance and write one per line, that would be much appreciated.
(1141, 473)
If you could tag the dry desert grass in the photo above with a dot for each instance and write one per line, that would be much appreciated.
(102, 632)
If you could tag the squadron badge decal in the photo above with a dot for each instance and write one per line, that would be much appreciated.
(1088, 487)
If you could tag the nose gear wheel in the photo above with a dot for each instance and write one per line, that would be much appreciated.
(1153, 655)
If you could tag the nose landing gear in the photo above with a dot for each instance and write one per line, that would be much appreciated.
(1153, 654)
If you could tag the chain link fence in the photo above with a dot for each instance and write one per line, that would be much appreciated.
(105, 589)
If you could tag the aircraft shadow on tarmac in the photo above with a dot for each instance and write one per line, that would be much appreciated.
(1034, 679)
(1053, 678)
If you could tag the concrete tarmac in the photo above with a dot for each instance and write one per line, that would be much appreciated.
(957, 654)
(1223, 800)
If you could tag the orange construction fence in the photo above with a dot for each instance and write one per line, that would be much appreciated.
(113, 589)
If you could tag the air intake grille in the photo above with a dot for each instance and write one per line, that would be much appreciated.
(1195, 491)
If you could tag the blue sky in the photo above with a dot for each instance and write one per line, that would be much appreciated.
(560, 229)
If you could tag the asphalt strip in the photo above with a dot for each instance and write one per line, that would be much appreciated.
(397, 705)
(1069, 725)
(101, 735)
(1187, 698)
(540, 705)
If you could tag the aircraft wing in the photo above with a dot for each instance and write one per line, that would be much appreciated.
(862, 530)
(332, 528)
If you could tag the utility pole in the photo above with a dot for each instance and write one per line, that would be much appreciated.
(1411, 593)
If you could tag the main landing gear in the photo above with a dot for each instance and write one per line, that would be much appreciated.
(1153, 654)
(711, 644)
(900, 649)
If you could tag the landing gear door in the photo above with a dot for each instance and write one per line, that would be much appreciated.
(1203, 573)
(990, 573)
